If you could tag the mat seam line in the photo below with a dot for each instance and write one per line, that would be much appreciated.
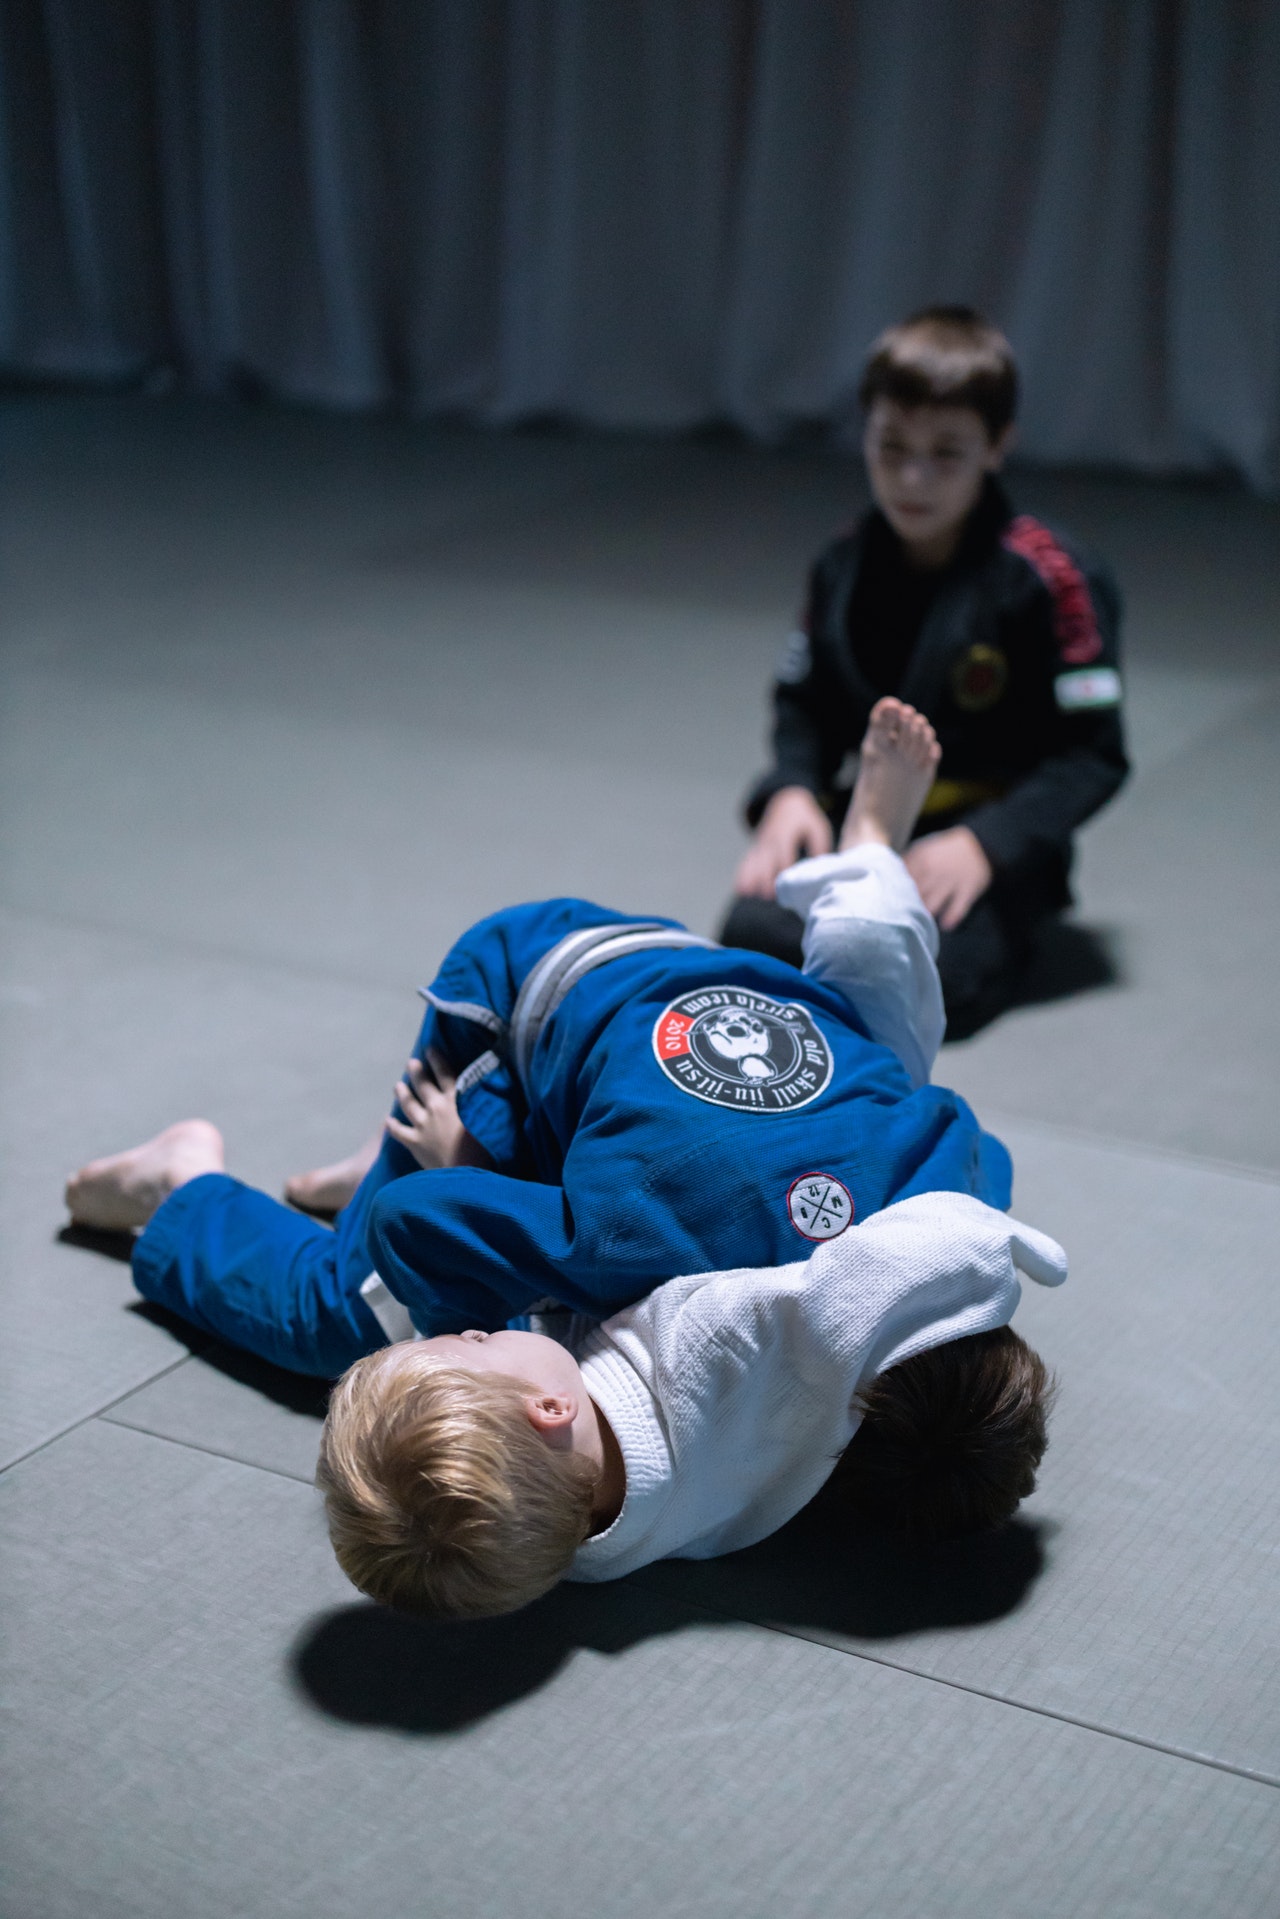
(211, 1452)
(1255, 1777)
(139, 1386)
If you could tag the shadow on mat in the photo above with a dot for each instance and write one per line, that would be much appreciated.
(91, 1239)
(1067, 959)
(295, 1391)
(371, 1667)
(292, 1390)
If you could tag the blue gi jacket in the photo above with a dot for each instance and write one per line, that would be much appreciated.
(655, 1105)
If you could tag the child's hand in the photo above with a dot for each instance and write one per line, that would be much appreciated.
(951, 871)
(430, 1128)
(793, 826)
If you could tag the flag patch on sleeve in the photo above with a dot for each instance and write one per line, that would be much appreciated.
(1088, 687)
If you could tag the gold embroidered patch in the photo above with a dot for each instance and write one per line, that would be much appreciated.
(978, 678)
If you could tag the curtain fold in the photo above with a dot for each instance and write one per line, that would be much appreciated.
(1224, 295)
(654, 213)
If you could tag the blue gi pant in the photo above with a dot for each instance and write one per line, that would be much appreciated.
(247, 1268)
(237, 1263)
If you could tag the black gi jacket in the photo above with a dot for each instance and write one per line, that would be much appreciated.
(1016, 665)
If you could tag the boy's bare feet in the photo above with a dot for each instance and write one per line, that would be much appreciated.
(124, 1191)
(327, 1189)
(899, 758)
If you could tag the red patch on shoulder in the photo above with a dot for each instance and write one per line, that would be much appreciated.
(1074, 624)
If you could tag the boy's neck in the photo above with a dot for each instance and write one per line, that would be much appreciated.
(612, 1489)
(931, 555)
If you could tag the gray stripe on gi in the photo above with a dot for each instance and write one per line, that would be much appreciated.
(472, 1075)
(538, 989)
(558, 971)
(463, 1009)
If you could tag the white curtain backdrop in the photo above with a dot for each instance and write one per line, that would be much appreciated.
(654, 213)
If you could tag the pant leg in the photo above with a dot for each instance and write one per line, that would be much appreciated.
(982, 960)
(237, 1263)
(976, 962)
(869, 934)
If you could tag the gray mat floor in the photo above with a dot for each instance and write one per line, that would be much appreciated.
(287, 701)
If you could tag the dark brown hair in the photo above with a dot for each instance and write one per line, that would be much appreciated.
(945, 356)
(950, 1439)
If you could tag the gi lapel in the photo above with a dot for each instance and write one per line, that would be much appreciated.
(948, 626)
(961, 615)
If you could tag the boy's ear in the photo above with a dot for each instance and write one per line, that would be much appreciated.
(1002, 448)
(550, 1413)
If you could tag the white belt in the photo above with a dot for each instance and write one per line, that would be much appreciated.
(552, 979)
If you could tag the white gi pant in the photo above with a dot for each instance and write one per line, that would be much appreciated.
(869, 935)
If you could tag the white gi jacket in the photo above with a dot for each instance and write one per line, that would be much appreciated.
(731, 1393)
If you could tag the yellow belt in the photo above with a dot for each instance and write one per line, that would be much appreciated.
(952, 796)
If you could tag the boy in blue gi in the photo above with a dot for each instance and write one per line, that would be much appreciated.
(991, 624)
(644, 1103)
(647, 1103)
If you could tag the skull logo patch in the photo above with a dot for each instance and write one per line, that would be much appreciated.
(742, 1049)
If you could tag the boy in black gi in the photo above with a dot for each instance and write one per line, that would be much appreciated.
(992, 626)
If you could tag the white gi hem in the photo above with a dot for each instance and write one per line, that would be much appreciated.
(387, 1310)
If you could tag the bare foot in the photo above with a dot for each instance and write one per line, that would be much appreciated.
(899, 757)
(124, 1191)
(327, 1189)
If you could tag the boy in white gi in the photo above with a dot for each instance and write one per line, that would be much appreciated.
(466, 1472)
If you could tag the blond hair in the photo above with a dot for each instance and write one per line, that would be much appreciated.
(442, 1497)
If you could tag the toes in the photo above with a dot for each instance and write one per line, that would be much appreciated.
(896, 724)
(918, 733)
(887, 714)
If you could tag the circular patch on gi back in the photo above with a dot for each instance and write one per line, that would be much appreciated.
(742, 1049)
(819, 1206)
(978, 678)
